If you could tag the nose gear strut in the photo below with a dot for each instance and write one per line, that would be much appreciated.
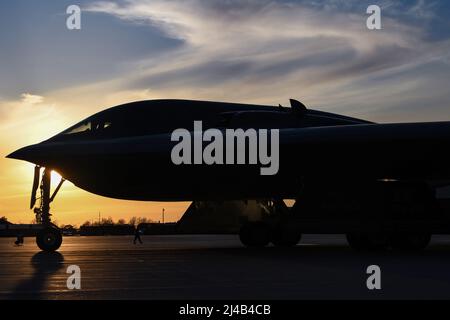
(50, 237)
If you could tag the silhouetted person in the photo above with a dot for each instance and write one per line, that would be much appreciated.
(137, 236)
(19, 240)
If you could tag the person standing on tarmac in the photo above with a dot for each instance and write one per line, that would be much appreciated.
(19, 240)
(137, 236)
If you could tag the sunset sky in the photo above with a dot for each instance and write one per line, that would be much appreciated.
(255, 51)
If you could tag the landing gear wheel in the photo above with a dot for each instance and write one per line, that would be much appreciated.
(255, 234)
(283, 236)
(49, 239)
(410, 242)
(368, 241)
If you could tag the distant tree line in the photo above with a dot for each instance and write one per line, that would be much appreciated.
(134, 221)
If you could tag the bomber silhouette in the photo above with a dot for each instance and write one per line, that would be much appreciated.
(374, 182)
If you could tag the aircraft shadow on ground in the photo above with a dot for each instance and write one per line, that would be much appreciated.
(44, 265)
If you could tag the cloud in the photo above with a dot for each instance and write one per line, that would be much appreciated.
(10, 108)
(21, 117)
(31, 99)
(250, 26)
(268, 51)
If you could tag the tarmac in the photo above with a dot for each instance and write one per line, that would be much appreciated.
(219, 267)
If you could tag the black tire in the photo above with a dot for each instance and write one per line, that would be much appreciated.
(255, 234)
(368, 241)
(410, 241)
(284, 236)
(49, 239)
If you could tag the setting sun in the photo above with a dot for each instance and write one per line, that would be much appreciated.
(56, 177)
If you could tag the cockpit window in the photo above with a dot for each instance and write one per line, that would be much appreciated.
(88, 126)
(83, 127)
(99, 126)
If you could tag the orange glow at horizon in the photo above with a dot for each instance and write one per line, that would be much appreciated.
(73, 205)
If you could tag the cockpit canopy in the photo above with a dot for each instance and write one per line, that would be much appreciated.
(164, 116)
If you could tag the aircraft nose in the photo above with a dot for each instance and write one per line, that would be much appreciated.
(28, 153)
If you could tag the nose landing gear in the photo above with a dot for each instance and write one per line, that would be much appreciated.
(50, 237)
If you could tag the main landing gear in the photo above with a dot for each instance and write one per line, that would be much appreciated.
(260, 234)
(255, 234)
(275, 227)
(50, 237)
